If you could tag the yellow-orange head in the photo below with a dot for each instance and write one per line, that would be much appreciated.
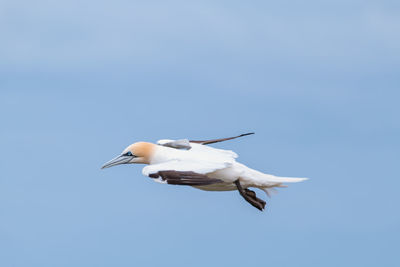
(140, 152)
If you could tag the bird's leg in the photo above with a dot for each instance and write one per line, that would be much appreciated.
(250, 196)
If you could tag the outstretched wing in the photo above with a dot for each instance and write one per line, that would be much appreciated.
(192, 166)
(186, 144)
(184, 178)
(185, 166)
(212, 141)
(183, 173)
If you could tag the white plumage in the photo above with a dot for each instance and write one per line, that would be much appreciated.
(215, 163)
(194, 163)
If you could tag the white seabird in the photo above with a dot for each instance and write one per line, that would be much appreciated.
(193, 163)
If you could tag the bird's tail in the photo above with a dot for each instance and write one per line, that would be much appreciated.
(278, 182)
(269, 179)
(268, 182)
(272, 178)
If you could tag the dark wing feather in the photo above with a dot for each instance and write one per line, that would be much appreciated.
(212, 141)
(184, 178)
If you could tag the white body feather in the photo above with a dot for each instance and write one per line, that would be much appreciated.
(215, 163)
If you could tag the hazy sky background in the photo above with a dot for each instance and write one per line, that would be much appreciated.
(318, 81)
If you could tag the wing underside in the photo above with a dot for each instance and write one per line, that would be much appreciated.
(184, 178)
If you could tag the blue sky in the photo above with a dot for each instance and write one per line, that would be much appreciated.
(318, 81)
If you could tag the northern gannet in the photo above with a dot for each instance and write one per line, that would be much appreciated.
(193, 163)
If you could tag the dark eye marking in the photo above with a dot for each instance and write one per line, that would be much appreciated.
(129, 154)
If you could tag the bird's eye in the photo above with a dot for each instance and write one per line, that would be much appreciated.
(128, 154)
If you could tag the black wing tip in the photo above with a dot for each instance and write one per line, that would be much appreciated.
(212, 141)
(245, 134)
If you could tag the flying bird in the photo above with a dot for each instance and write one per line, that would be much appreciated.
(193, 163)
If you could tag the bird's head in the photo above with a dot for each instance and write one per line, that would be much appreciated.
(140, 152)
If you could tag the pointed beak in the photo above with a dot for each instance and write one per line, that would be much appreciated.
(117, 161)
